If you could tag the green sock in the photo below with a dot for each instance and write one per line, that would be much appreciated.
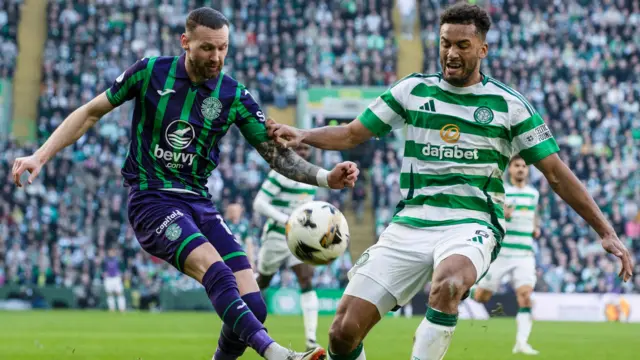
(439, 318)
(351, 356)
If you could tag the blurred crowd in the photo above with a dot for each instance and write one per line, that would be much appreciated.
(9, 18)
(57, 231)
(575, 64)
(578, 67)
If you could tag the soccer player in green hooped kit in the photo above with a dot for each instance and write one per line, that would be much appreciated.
(462, 128)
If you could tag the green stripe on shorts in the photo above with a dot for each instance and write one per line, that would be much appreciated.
(233, 254)
(183, 245)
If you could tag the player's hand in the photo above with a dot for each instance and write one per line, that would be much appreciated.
(614, 246)
(32, 164)
(536, 233)
(508, 211)
(285, 135)
(343, 175)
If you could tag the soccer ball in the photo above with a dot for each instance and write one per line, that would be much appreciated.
(317, 233)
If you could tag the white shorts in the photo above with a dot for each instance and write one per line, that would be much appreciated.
(403, 260)
(274, 253)
(521, 271)
(113, 285)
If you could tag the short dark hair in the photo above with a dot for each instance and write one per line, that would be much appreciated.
(466, 14)
(514, 158)
(206, 16)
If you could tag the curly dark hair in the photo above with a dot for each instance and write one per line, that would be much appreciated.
(466, 14)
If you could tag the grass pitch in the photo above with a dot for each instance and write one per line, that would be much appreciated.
(91, 335)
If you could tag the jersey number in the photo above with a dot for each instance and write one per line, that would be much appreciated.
(224, 225)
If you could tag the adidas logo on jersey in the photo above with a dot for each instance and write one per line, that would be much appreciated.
(449, 152)
(429, 106)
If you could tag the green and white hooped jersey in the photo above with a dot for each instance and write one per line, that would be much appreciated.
(457, 147)
(286, 195)
(519, 237)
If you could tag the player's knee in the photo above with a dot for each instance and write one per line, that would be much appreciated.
(200, 260)
(218, 279)
(524, 297)
(447, 292)
(344, 335)
(482, 295)
(256, 304)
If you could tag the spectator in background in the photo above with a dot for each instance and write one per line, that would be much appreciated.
(57, 230)
(407, 10)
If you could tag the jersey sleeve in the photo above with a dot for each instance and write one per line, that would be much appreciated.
(530, 136)
(271, 186)
(128, 84)
(249, 117)
(388, 111)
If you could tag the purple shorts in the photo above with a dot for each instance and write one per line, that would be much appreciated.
(170, 225)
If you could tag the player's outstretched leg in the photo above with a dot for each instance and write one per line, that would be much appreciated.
(364, 303)
(452, 278)
(524, 321)
(205, 265)
(230, 347)
(308, 302)
(480, 295)
(354, 318)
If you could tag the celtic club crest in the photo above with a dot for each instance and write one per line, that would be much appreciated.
(363, 258)
(211, 108)
(173, 232)
(483, 115)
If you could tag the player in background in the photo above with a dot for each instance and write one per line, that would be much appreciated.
(113, 281)
(462, 127)
(184, 105)
(516, 258)
(239, 226)
(277, 198)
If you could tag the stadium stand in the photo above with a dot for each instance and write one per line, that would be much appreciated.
(56, 232)
(575, 65)
(9, 18)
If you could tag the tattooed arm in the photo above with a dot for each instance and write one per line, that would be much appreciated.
(288, 163)
(285, 161)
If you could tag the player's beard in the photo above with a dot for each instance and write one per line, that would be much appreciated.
(464, 73)
(203, 69)
(519, 176)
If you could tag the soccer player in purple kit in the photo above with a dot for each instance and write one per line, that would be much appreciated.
(113, 281)
(183, 106)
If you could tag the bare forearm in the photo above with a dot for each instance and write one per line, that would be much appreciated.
(329, 138)
(286, 162)
(71, 129)
(74, 126)
(571, 190)
(262, 205)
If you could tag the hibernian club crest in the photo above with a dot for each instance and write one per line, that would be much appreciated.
(173, 232)
(211, 108)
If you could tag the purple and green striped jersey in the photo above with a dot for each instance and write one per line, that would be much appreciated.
(177, 125)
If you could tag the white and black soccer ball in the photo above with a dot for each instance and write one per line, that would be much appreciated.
(317, 233)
